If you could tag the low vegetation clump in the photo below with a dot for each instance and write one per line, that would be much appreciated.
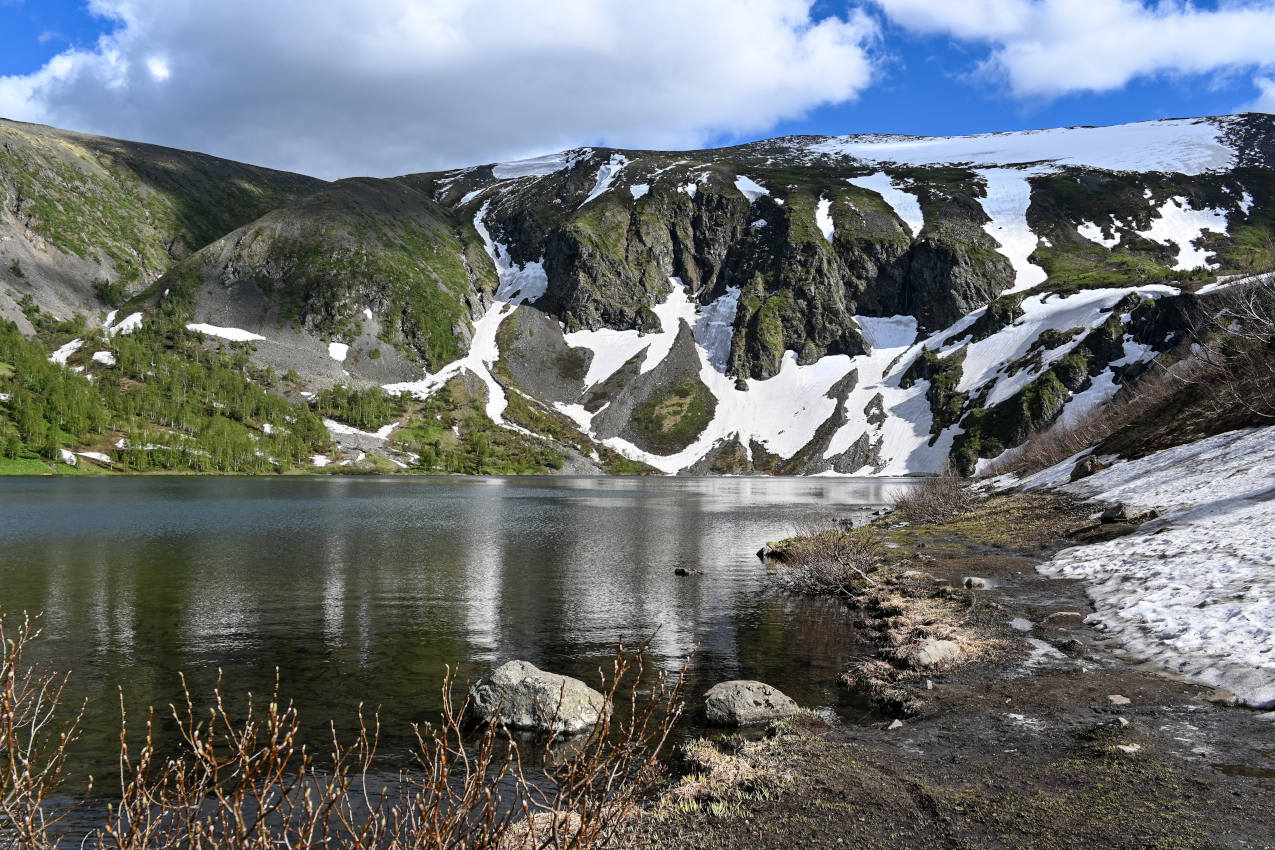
(828, 559)
(936, 499)
(251, 783)
(671, 422)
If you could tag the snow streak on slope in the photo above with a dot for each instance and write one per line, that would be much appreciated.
(750, 188)
(1008, 197)
(1192, 591)
(823, 218)
(989, 359)
(607, 173)
(902, 438)
(1189, 146)
(517, 284)
(1177, 223)
(904, 204)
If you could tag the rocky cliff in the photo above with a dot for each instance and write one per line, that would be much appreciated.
(856, 305)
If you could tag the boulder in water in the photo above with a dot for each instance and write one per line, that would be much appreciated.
(522, 696)
(744, 702)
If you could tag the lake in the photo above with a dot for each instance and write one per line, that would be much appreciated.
(365, 589)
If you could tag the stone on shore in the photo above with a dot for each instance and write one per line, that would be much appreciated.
(522, 696)
(744, 702)
(935, 655)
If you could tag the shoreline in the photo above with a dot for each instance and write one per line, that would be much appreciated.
(1046, 734)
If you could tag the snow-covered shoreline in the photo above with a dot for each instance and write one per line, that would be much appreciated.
(1192, 591)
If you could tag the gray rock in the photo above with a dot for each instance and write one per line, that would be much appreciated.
(897, 724)
(974, 582)
(1115, 513)
(1086, 466)
(743, 702)
(524, 697)
(935, 654)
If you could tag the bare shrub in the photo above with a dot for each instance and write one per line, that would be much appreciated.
(1235, 350)
(33, 745)
(1063, 439)
(826, 559)
(1231, 363)
(936, 499)
(250, 783)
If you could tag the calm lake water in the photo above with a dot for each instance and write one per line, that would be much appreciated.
(364, 589)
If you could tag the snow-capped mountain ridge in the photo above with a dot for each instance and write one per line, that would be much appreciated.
(869, 304)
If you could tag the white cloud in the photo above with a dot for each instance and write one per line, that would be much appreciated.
(1054, 47)
(1265, 95)
(345, 87)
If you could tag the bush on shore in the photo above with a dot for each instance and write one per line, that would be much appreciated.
(824, 558)
(936, 499)
(250, 783)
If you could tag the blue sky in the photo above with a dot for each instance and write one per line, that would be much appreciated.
(341, 87)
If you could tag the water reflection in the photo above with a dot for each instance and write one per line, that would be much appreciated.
(366, 590)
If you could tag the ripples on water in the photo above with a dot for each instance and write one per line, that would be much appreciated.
(365, 589)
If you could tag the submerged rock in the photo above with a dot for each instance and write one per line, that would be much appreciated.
(743, 702)
(522, 696)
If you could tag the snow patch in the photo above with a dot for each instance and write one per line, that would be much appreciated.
(64, 352)
(338, 351)
(1193, 591)
(1182, 226)
(536, 166)
(106, 358)
(823, 218)
(1094, 233)
(1008, 197)
(232, 334)
(127, 325)
(1187, 145)
(904, 204)
(751, 189)
(637, 190)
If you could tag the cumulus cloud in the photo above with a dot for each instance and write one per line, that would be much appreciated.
(1265, 95)
(346, 87)
(1054, 47)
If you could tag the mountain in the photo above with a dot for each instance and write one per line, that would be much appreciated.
(802, 305)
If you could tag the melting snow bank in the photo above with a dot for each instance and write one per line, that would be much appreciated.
(1192, 591)
(232, 334)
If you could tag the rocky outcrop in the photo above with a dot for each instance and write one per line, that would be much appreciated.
(522, 696)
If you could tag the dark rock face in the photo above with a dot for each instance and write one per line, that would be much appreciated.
(609, 261)
(533, 350)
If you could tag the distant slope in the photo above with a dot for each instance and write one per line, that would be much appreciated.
(86, 217)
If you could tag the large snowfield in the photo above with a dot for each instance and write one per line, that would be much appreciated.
(1192, 591)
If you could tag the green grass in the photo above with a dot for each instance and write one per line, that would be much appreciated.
(670, 422)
